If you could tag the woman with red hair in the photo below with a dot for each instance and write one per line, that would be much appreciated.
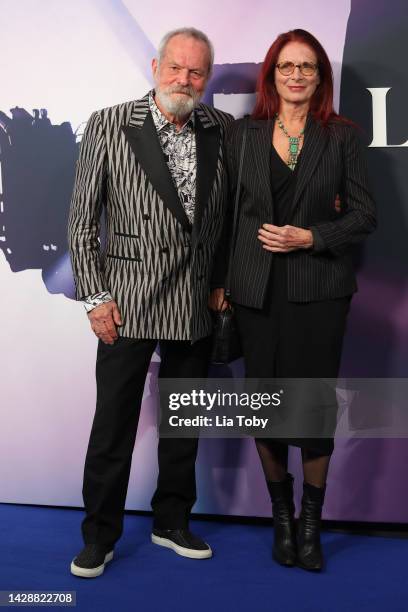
(291, 275)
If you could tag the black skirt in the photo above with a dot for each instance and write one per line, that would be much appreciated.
(293, 340)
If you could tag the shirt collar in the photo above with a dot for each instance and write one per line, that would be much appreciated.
(160, 120)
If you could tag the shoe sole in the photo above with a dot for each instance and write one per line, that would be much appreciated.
(284, 562)
(83, 572)
(181, 550)
(309, 569)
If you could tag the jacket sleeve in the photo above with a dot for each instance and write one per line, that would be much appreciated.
(85, 212)
(359, 217)
(221, 256)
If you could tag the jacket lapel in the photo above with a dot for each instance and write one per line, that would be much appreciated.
(208, 145)
(315, 142)
(144, 142)
(260, 142)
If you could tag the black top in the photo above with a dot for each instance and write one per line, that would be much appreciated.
(283, 185)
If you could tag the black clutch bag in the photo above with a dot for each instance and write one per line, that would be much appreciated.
(227, 344)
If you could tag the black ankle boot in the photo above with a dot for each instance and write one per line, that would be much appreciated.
(283, 509)
(308, 532)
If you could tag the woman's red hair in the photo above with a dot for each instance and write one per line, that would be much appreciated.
(267, 101)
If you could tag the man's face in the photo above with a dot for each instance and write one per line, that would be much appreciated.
(182, 74)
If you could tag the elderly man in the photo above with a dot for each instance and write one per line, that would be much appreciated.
(156, 168)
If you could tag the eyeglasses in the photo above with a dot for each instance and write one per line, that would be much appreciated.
(288, 68)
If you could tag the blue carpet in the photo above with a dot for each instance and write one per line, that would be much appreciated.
(363, 573)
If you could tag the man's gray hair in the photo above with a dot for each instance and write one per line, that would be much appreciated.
(192, 33)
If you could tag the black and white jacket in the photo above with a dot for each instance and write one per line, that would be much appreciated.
(156, 265)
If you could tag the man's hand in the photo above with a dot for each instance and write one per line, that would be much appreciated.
(217, 300)
(104, 319)
(284, 239)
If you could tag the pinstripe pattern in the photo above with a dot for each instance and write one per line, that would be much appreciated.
(332, 162)
(155, 265)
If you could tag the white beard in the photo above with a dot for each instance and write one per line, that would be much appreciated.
(180, 106)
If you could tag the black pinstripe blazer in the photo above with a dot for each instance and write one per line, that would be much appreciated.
(332, 162)
(156, 266)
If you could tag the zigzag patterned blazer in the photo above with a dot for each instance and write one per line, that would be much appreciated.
(332, 161)
(156, 265)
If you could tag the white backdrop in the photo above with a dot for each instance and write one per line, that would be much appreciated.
(72, 57)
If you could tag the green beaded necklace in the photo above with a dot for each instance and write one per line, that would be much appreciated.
(294, 142)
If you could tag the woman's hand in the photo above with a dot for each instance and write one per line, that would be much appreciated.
(284, 239)
(217, 300)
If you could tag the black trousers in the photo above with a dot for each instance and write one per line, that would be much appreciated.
(121, 371)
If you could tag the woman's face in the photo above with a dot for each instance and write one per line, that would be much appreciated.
(296, 87)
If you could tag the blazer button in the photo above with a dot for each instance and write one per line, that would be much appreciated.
(146, 217)
(164, 250)
(200, 277)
